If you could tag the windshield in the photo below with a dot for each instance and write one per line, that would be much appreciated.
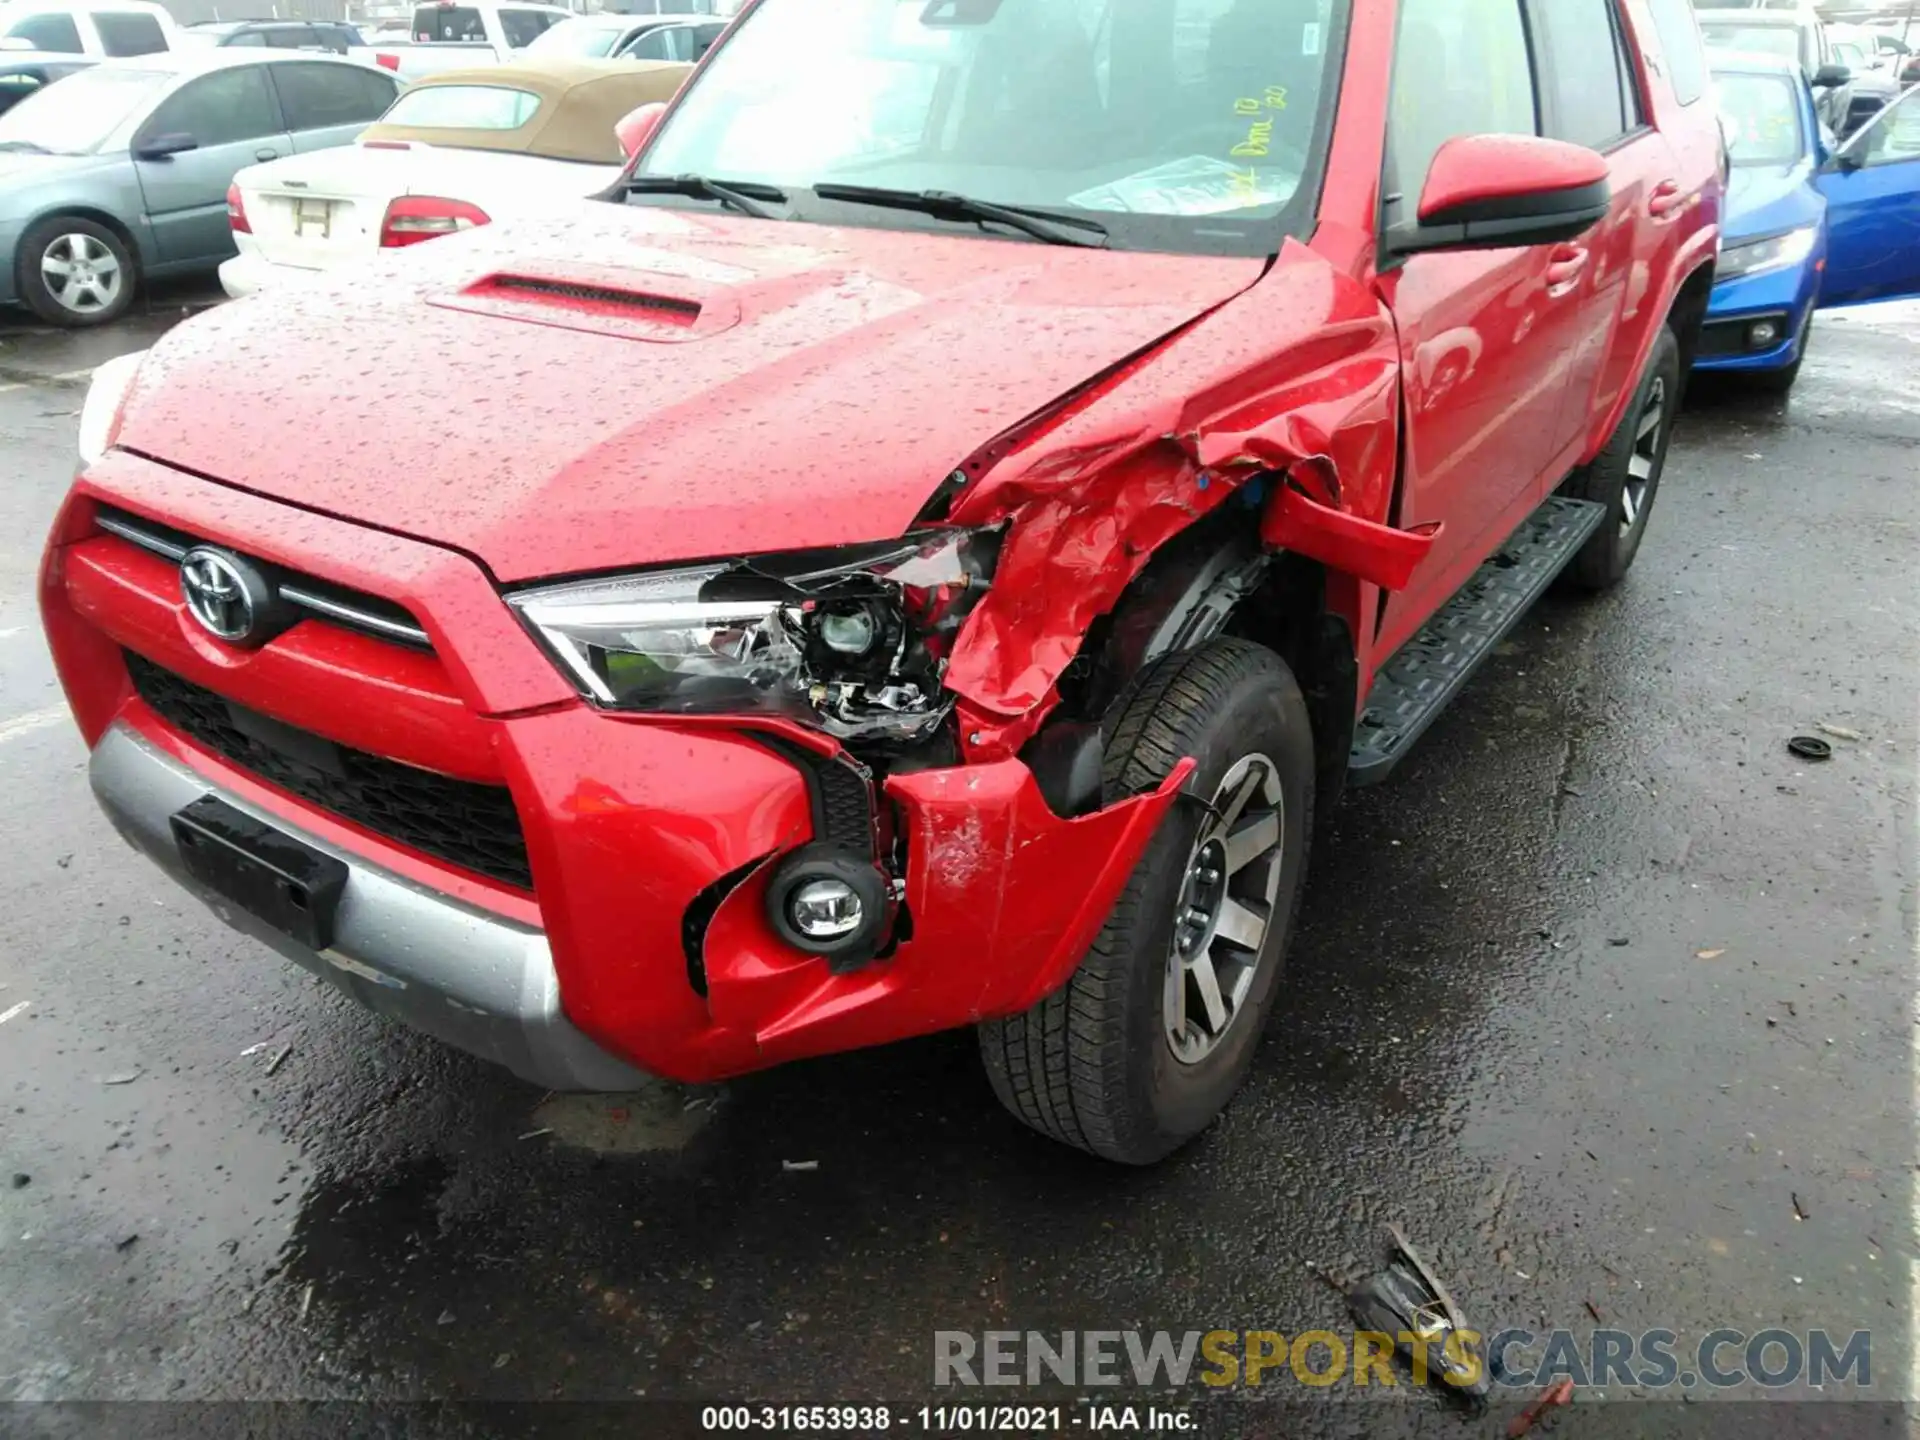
(1179, 124)
(1763, 118)
(586, 39)
(73, 116)
(1780, 41)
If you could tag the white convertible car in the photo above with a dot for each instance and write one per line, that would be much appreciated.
(457, 149)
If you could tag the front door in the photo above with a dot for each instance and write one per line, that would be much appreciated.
(1481, 332)
(232, 119)
(1873, 210)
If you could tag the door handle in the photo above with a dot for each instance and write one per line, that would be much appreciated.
(1665, 199)
(266, 152)
(1565, 267)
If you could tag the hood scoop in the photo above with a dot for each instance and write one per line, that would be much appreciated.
(621, 310)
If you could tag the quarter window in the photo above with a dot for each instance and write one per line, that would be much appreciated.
(318, 97)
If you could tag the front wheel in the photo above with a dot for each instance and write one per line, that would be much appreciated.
(1625, 477)
(1156, 1030)
(74, 271)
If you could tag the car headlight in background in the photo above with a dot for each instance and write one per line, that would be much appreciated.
(851, 641)
(1778, 252)
(100, 411)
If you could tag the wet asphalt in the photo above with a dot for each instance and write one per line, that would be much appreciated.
(1606, 998)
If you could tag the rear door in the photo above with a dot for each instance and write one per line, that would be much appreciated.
(326, 105)
(1873, 210)
(234, 121)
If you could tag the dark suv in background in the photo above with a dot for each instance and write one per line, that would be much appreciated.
(332, 35)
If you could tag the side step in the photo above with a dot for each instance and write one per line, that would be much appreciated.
(1428, 671)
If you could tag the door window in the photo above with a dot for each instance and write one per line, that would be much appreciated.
(55, 33)
(320, 96)
(1584, 98)
(666, 44)
(255, 38)
(129, 33)
(1895, 139)
(1460, 68)
(219, 109)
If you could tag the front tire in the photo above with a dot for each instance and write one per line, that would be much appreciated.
(1150, 1038)
(74, 271)
(1625, 477)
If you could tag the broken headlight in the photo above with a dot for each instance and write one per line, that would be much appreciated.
(851, 641)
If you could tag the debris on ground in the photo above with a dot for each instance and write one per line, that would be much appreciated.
(536, 1134)
(21, 1180)
(280, 1059)
(13, 1010)
(123, 1077)
(125, 1244)
(1841, 732)
(1708, 954)
(1594, 1311)
(1810, 747)
(446, 1318)
(1799, 1210)
(799, 1164)
(1556, 1394)
(1407, 1299)
(306, 1300)
(254, 1049)
(1619, 942)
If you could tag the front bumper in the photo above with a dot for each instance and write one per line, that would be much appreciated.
(650, 844)
(1784, 297)
(477, 981)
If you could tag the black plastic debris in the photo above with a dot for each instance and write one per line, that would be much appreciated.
(1406, 1300)
(1810, 747)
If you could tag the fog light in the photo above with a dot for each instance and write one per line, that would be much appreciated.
(832, 902)
(1763, 335)
(825, 909)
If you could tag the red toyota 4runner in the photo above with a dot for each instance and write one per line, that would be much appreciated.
(920, 551)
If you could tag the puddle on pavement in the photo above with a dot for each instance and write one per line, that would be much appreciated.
(660, 1117)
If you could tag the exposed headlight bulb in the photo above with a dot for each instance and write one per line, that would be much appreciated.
(852, 632)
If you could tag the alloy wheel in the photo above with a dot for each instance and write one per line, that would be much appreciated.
(81, 273)
(1644, 464)
(1225, 910)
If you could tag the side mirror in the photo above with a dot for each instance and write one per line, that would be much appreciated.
(164, 147)
(636, 127)
(1487, 192)
(1832, 77)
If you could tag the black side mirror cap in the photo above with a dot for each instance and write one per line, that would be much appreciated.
(165, 147)
(1832, 77)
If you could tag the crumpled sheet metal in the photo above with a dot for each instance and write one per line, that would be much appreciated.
(1297, 378)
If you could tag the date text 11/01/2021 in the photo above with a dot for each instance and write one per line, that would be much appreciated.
(948, 1419)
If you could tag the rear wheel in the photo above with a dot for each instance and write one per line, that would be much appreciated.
(1156, 1030)
(74, 271)
(1625, 477)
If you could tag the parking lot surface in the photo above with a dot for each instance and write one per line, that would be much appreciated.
(1621, 1027)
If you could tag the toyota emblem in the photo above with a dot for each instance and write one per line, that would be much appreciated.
(229, 597)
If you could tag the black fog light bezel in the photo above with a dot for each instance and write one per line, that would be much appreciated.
(858, 873)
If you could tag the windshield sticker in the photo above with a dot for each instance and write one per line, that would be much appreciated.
(1197, 185)
(1310, 39)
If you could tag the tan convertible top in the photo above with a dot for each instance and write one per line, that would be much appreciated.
(580, 103)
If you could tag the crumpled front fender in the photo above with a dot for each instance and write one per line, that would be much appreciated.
(1003, 897)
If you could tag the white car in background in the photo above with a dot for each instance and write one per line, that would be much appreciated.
(457, 149)
(630, 37)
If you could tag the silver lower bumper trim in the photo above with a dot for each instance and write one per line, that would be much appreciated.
(474, 980)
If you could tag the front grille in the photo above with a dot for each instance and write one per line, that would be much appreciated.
(466, 824)
(351, 609)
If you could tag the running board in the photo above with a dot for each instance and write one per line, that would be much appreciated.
(1428, 671)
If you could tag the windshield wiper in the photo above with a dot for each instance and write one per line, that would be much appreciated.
(1047, 225)
(742, 195)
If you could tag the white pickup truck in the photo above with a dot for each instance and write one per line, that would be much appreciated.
(449, 35)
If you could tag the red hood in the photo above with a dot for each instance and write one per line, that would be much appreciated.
(829, 380)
